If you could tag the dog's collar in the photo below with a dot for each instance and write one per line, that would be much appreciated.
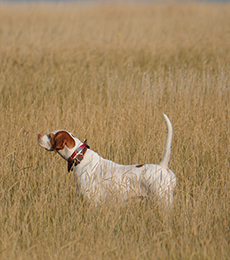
(77, 156)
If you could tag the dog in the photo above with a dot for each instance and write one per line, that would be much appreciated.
(99, 179)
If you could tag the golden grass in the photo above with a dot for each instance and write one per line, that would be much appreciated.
(107, 73)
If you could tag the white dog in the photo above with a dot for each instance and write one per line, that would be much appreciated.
(99, 179)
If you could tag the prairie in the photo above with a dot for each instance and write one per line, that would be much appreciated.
(107, 72)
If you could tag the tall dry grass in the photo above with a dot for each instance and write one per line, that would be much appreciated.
(107, 72)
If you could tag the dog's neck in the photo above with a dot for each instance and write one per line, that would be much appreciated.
(77, 156)
(67, 152)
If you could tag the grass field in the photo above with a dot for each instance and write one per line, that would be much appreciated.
(107, 72)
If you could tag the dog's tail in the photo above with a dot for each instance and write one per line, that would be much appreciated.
(166, 156)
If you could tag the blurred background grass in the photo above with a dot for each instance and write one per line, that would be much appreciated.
(107, 72)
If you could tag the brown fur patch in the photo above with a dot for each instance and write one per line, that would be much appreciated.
(139, 165)
(60, 139)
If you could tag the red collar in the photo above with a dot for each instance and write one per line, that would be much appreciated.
(77, 156)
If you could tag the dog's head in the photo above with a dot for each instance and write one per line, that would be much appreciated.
(60, 141)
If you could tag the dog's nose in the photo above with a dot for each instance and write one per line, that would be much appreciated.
(39, 136)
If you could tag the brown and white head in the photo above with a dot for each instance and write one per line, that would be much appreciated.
(59, 141)
(65, 144)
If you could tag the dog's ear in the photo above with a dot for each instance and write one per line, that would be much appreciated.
(60, 139)
(59, 146)
(57, 141)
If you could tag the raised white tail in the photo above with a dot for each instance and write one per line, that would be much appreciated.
(166, 156)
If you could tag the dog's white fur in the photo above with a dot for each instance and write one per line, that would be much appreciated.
(99, 179)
